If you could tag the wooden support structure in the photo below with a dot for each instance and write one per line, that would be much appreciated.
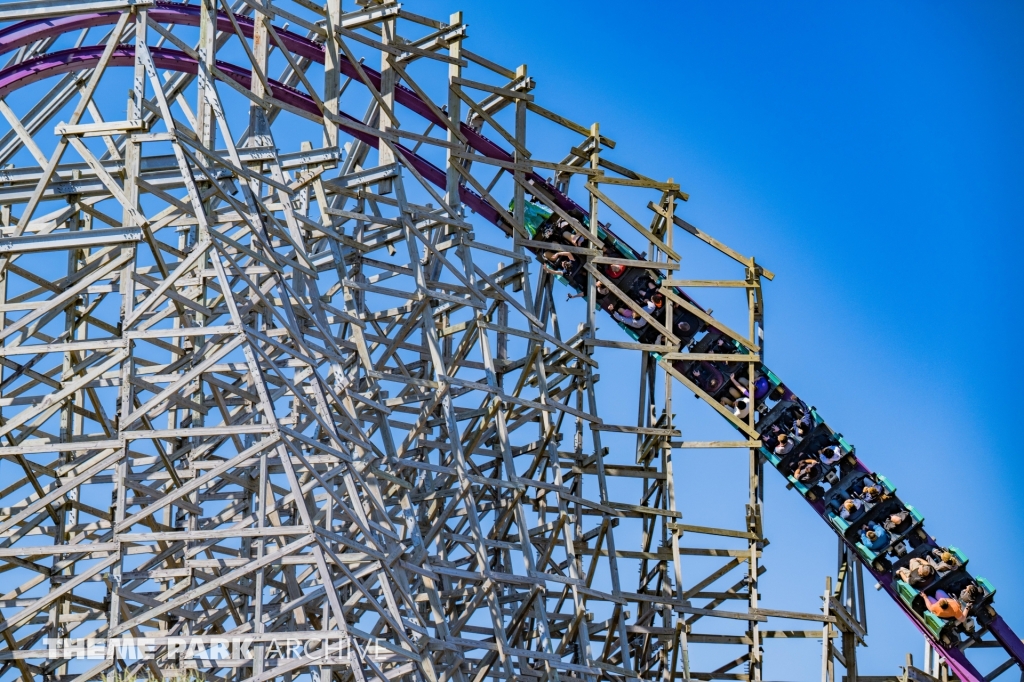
(266, 371)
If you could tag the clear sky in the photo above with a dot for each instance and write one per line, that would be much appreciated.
(872, 155)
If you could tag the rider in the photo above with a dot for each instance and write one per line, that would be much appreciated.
(874, 537)
(944, 606)
(918, 574)
(896, 522)
(830, 454)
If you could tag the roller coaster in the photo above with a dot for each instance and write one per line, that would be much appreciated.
(235, 294)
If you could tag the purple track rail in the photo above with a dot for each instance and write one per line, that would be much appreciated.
(45, 66)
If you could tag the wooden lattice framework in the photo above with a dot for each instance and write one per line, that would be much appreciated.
(252, 348)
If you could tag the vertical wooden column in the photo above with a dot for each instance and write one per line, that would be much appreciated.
(613, 564)
(127, 292)
(258, 128)
(518, 188)
(518, 191)
(850, 655)
(679, 651)
(756, 469)
(259, 136)
(387, 90)
(263, 499)
(854, 608)
(70, 426)
(332, 70)
(827, 666)
(595, 160)
(848, 607)
(455, 116)
(207, 126)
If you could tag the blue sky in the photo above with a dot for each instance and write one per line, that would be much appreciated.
(871, 155)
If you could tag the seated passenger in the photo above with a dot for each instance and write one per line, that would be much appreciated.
(720, 346)
(552, 256)
(645, 288)
(705, 378)
(872, 493)
(874, 537)
(971, 595)
(761, 386)
(627, 317)
(572, 237)
(897, 522)
(943, 560)
(740, 406)
(547, 232)
(918, 574)
(602, 291)
(944, 606)
(849, 507)
(785, 445)
(803, 424)
(739, 387)
(613, 270)
(683, 327)
(830, 454)
(786, 394)
(806, 470)
(558, 263)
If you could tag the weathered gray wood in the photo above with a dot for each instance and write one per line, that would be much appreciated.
(317, 405)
